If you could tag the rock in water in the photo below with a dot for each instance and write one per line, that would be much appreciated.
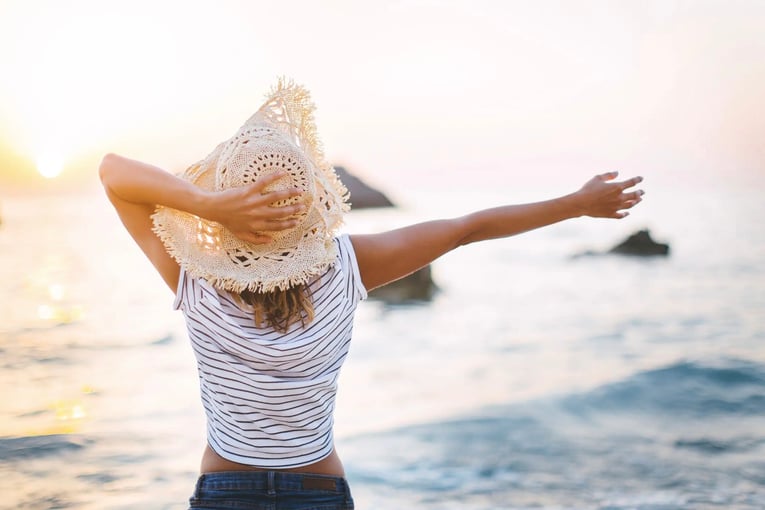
(362, 195)
(418, 286)
(640, 243)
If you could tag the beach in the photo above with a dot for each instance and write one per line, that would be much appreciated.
(543, 373)
(533, 379)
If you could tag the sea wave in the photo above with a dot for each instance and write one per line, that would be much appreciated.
(32, 447)
(687, 389)
(508, 456)
(710, 445)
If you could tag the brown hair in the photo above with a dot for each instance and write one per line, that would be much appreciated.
(280, 309)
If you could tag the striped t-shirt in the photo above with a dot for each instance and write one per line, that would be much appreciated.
(269, 397)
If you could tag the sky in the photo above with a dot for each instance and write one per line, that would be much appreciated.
(405, 90)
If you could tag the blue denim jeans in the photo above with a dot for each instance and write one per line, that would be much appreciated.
(270, 490)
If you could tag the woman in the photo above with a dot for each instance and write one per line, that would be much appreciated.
(245, 238)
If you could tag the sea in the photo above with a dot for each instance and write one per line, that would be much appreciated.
(534, 378)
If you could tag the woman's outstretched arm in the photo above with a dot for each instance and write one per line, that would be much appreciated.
(388, 256)
(136, 189)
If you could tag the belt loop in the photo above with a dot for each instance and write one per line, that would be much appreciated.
(198, 488)
(271, 484)
(348, 496)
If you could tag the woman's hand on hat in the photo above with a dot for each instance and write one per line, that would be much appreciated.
(247, 211)
(602, 197)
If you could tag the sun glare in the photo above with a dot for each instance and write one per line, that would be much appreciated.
(82, 79)
(49, 166)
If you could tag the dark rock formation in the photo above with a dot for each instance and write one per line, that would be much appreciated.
(418, 286)
(641, 244)
(362, 195)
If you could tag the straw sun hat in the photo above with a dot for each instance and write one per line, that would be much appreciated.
(280, 136)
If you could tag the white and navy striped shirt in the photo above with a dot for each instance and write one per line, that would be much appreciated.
(269, 397)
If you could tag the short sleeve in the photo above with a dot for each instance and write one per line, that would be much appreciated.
(181, 291)
(347, 256)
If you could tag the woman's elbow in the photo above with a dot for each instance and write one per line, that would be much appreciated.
(467, 230)
(106, 167)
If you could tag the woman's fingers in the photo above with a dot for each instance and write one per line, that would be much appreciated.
(275, 225)
(604, 199)
(258, 233)
(608, 176)
(257, 196)
(275, 213)
(256, 190)
(276, 196)
(630, 182)
(263, 182)
(633, 195)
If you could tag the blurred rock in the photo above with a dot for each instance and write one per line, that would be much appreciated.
(363, 196)
(641, 244)
(418, 286)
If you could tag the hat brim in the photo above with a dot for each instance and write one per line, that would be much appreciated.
(206, 249)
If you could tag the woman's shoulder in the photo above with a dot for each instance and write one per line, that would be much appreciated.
(348, 265)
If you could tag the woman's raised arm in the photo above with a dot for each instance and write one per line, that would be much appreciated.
(136, 189)
(388, 256)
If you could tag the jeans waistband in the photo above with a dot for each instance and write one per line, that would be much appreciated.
(269, 481)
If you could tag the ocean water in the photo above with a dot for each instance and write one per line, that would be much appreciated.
(534, 379)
